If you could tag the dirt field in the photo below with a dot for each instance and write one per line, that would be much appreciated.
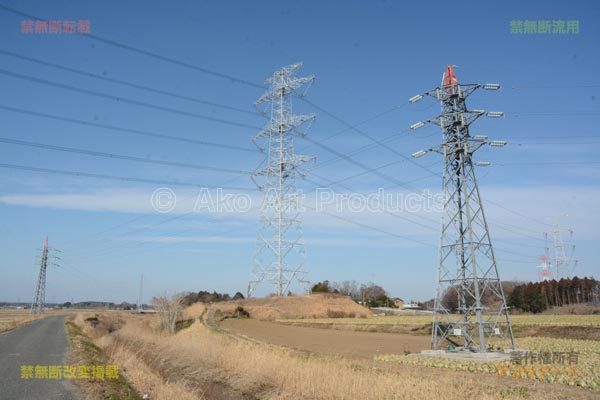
(348, 343)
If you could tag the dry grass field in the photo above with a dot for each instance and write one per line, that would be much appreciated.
(11, 318)
(202, 363)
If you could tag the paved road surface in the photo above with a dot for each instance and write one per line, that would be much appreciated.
(332, 341)
(42, 342)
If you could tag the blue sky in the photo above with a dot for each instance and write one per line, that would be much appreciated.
(368, 58)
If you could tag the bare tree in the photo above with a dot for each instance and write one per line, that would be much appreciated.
(348, 288)
(169, 310)
(371, 292)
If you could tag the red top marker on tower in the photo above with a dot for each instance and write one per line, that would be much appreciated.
(449, 77)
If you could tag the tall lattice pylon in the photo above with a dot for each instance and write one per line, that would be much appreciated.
(280, 257)
(140, 299)
(39, 298)
(564, 262)
(470, 308)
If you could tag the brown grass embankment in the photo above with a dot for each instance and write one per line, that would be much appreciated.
(85, 354)
(308, 306)
(204, 363)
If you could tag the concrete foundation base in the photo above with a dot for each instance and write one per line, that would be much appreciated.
(460, 354)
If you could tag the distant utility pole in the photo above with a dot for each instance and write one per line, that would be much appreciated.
(37, 306)
(140, 294)
(564, 262)
(280, 258)
(467, 272)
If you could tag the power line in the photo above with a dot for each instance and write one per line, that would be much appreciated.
(111, 177)
(138, 218)
(124, 83)
(516, 253)
(364, 134)
(87, 237)
(514, 261)
(534, 143)
(530, 246)
(118, 156)
(109, 249)
(357, 163)
(518, 213)
(530, 136)
(366, 226)
(123, 99)
(130, 246)
(127, 130)
(574, 86)
(386, 211)
(134, 49)
(221, 75)
(376, 116)
(497, 226)
(387, 139)
(167, 59)
(549, 163)
(371, 171)
(497, 221)
(553, 113)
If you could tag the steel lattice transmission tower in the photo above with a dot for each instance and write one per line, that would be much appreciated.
(470, 308)
(37, 306)
(280, 257)
(544, 267)
(564, 262)
(140, 299)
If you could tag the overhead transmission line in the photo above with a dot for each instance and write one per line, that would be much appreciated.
(124, 99)
(217, 74)
(134, 49)
(125, 83)
(113, 177)
(126, 130)
(119, 156)
(210, 72)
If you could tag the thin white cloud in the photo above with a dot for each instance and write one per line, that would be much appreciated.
(579, 202)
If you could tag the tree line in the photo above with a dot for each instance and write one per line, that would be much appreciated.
(536, 297)
(368, 294)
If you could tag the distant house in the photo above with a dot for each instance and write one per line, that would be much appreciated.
(398, 302)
